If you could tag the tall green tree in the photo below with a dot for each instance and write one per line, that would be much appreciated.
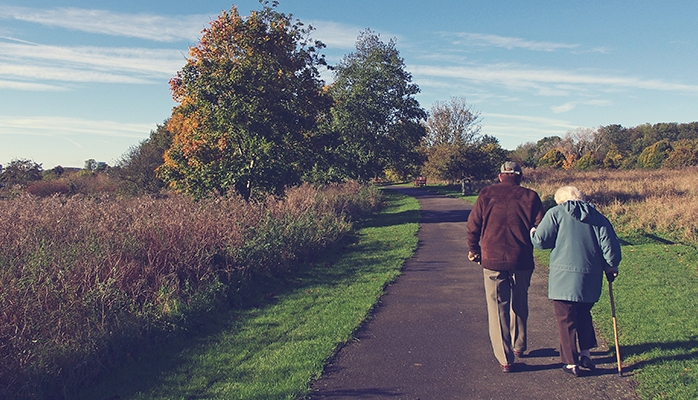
(376, 116)
(138, 165)
(688, 131)
(21, 172)
(494, 157)
(454, 146)
(479, 160)
(525, 154)
(452, 123)
(250, 96)
(544, 145)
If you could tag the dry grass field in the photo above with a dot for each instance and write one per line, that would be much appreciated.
(663, 202)
(655, 214)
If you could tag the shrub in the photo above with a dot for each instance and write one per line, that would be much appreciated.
(553, 158)
(629, 162)
(48, 188)
(613, 159)
(20, 172)
(683, 154)
(586, 162)
(81, 183)
(653, 156)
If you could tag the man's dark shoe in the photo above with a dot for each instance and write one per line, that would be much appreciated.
(585, 362)
(519, 354)
(574, 370)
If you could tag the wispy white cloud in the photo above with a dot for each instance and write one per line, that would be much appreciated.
(145, 61)
(563, 108)
(28, 64)
(569, 106)
(487, 40)
(512, 129)
(29, 86)
(336, 35)
(143, 26)
(65, 74)
(601, 50)
(62, 126)
(547, 81)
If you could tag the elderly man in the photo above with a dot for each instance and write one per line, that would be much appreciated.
(498, 236)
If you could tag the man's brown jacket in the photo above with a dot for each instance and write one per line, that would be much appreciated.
(499, 224)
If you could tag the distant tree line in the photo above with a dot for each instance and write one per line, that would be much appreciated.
(133, 173)
(668, 145)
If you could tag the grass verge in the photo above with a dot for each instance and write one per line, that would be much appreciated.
(451, 191)
(656, 297)
(276, 347)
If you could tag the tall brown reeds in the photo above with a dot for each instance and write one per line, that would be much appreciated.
(660, 201)
(84, 278)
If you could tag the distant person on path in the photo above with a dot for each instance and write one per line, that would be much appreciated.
(584, 247)
(498, 236)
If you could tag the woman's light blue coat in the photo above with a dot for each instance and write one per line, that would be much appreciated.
(583, 245)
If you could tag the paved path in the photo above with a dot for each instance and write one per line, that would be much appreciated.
(427, 339)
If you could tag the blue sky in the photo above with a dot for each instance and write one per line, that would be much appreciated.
(88, 79)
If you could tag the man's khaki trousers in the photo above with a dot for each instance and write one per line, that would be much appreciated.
(507, 311)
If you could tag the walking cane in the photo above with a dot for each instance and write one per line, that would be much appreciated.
(615, 327)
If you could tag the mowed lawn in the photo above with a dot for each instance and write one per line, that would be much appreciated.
(656, 299)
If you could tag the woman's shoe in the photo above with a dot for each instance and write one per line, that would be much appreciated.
(573, 370)
(585, 362)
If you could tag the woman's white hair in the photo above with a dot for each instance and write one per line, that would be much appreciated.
(566, 193)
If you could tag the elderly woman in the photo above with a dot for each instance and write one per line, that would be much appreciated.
(584, 247)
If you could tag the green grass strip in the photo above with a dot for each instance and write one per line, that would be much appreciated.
(656, 298)
(451, 191)
(278, 348)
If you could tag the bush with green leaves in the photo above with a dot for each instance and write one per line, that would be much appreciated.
(586, 162)
(653, 156)
(683, 153)
(553, 158)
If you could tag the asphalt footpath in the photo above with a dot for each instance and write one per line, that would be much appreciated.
(427, 338)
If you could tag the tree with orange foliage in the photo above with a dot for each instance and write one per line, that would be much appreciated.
(250, 96)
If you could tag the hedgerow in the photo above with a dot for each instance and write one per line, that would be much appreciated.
(84, 281)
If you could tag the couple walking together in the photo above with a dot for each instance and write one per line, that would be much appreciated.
(505, 224)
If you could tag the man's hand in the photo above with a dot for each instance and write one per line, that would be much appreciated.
(474, 257)
(611, 274)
